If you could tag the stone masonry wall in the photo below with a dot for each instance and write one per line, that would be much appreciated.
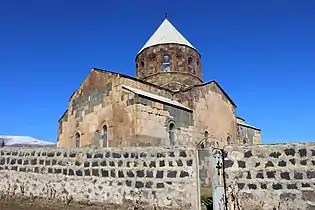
(150, 60)
(154, 177)
(248, 135)
(102, 101)
(273, 177)
(152, 122)
(214, 113)
(99, 102)
(149, 66)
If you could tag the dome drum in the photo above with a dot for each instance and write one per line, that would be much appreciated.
(168, 59)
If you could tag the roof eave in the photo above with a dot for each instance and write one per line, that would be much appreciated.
(143, 49)
(249, 126)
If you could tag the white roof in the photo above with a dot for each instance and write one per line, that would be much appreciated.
(166, 34)
(154, 96)
(247, 125)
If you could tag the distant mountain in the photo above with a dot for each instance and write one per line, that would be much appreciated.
(23, 141)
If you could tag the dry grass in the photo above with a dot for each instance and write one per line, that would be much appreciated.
(41, 204)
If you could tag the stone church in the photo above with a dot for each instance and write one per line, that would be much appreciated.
(167, 104)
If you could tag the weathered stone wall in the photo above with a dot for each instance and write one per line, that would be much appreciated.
(101, 101)
(94, 94)
(62, 126)
(214, 113)
(98, 102)
(279, 176)
(149, 65)
(152, 119)
(249, 135)
(151, 176)
(173, 81)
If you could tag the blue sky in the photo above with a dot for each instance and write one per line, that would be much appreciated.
(261, 52)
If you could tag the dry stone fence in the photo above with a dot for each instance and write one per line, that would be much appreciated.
(266, 177)
(154, 177)
(278, 176)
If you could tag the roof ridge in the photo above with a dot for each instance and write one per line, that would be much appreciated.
(132, 78)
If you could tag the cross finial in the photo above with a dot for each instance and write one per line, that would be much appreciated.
(165, 15)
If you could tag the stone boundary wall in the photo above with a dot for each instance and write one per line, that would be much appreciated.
(155, 177)
(273, 177)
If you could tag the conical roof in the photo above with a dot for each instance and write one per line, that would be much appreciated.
(166, 34)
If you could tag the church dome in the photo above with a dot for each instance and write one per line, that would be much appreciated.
(166, 34)
(169, 60)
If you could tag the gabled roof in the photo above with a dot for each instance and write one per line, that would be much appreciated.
(247, 125)
(119, 74)
(166, 34)
(207, 83)
(132, 78)
(155, 97)
(241, 122)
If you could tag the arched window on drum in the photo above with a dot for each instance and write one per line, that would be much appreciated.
(166, 63)
(190, 63)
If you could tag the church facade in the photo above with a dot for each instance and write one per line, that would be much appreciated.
(167, 104)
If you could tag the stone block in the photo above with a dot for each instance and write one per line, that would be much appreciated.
(282, 173)
(67, 171)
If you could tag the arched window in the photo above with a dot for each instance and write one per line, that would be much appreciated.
(228, 140)
(142, 64)
(171, 133)
(166, 63)
(77, 140)
(190, 64)
(104, 136)
(206, 134)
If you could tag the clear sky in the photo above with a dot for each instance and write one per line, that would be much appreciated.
(261, 52)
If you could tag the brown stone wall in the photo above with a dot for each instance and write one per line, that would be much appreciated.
(266, 177)
(213, 112)
(134, 178)
(152, 119)
(62, 126)
(149, 64)
(173, 80)
(249, 135)
(99, 101)
(132, 121)
(90, 108)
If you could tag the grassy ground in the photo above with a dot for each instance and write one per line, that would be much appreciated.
(20, 204)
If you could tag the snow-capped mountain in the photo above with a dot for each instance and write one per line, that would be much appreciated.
(23, 141)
